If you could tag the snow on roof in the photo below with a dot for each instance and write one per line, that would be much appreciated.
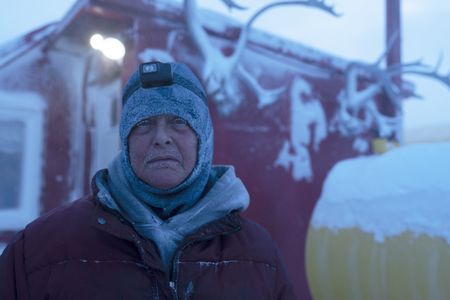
(212, 20)
(16, 47)
(405, 189)
(219, 23)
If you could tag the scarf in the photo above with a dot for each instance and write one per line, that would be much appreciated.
(226, 194)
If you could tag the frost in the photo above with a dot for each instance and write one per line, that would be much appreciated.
(361, 145)
(300, 161)
(306, 113)
(216, 263)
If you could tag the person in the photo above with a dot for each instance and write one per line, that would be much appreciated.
(161, 223)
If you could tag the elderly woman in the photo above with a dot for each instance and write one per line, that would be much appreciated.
(161, 223)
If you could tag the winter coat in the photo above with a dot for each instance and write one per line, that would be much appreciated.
(85, 251)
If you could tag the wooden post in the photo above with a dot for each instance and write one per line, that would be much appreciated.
(393, 27)
(393, 57)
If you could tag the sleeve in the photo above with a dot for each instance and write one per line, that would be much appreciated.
(12, 271)
(284, 289)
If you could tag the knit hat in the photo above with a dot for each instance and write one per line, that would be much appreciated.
(168, 89)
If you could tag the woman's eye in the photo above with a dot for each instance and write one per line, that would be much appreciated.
(179, 122)
(145, 123)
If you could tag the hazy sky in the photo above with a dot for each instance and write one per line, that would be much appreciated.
(358, 34)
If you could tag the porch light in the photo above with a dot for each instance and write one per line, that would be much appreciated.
(110, 47)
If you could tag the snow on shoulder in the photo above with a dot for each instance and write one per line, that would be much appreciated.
(405, 189)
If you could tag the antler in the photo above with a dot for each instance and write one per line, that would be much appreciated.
(218, 68)
(353, 100)
(200, 37)
(265, 96)
(245, 31)
(418, 68)
(357, 110)
(231, 4)
(415, 67)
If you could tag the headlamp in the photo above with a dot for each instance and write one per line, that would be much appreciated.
(155, 74)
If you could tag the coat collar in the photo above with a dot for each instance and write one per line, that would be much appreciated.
(111, 222)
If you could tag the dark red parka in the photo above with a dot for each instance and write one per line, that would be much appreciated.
(84, 251)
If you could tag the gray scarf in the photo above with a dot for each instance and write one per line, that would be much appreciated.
(225, 195)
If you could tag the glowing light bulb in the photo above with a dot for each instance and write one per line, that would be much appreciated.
(110, 47)
(96, 41)
(113, 48)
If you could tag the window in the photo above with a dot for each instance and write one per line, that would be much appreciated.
(21, 135)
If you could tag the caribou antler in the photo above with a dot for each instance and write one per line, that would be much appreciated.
(265, 96)
(357, 109)
(418, 68)
(218, 68)
(352, 101)
(245, 31)
(200, 37)
(231, 4)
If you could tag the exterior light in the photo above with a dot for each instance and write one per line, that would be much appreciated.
(96, 41)
(110, 47)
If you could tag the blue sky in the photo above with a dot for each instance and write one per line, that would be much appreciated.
(357, 35)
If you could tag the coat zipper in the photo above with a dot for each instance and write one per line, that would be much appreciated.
(173, 288)
(174, 273)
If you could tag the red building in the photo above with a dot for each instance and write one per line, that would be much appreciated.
(275, 112)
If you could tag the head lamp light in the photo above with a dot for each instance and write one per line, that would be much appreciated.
(155, 74)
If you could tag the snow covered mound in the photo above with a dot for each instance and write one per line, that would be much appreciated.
(405, 189)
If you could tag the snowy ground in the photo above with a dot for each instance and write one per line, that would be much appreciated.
(405, 189)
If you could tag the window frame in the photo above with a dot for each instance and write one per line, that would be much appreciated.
(27, 107)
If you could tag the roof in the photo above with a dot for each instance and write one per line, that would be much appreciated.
(12, 50)
(116, 16)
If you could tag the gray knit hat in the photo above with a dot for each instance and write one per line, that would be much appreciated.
(169, 89)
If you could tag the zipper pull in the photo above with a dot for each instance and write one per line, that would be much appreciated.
(174, 289)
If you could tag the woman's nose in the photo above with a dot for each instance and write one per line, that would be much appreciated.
(162, 136)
